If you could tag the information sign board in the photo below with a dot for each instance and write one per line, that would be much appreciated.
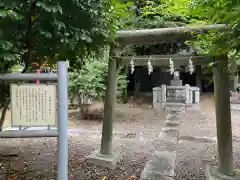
(33, 105)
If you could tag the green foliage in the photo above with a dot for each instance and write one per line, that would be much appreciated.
(46, 30)
(90, 81)
(157, 14)
(122, 84)
(219, 43)
(119, 15)
(169, 13)
(234, 61)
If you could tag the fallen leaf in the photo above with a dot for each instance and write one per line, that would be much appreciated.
(105, 178)
(12, 177)
(133, 177)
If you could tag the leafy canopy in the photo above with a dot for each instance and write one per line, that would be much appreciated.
(44, 30)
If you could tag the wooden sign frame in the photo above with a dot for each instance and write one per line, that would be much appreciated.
(33, 105)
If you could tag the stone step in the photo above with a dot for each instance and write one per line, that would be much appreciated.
(169, 137)
(175, 109)
(173, 117)
(160, 166)
(172, 122)
(170, 129)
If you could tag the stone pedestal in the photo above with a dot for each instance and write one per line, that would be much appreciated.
(197, 97)
(164, 93)
(187, 89)
(212, 173)
(106, 161)
(176, 94)
(190, 96)
(176, 83)
(157, 95)
(194, 97)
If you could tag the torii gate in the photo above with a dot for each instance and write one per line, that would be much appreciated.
(105, 156)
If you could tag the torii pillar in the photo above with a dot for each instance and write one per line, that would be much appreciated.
(106, 156)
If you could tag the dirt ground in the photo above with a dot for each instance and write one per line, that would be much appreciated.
(136, 128)
(136, 131)
(198, 146)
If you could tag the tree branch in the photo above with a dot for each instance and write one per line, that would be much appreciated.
(28, 44)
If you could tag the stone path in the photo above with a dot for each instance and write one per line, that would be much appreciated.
(161, 164)
(195, 145)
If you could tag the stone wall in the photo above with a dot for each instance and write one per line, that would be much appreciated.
(175, 94)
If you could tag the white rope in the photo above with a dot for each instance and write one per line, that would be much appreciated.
(159, 58)
(150, 68)
(132, 65)
(171, 66)
(191, 67)
(171, 62)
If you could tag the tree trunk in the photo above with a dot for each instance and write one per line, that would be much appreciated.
(109, 107)
(3, 114)
(223, 116)
(82, 113)
(83, 107)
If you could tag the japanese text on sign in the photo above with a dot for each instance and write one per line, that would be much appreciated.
(33, 105)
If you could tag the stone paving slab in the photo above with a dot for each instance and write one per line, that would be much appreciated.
(169, 137)
(160, 166)
(235, 107)
(170, 146)
(172, 123)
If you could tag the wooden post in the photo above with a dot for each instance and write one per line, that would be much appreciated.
(109, 106)
(135, 84)
(223, 116)
(199, 78)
